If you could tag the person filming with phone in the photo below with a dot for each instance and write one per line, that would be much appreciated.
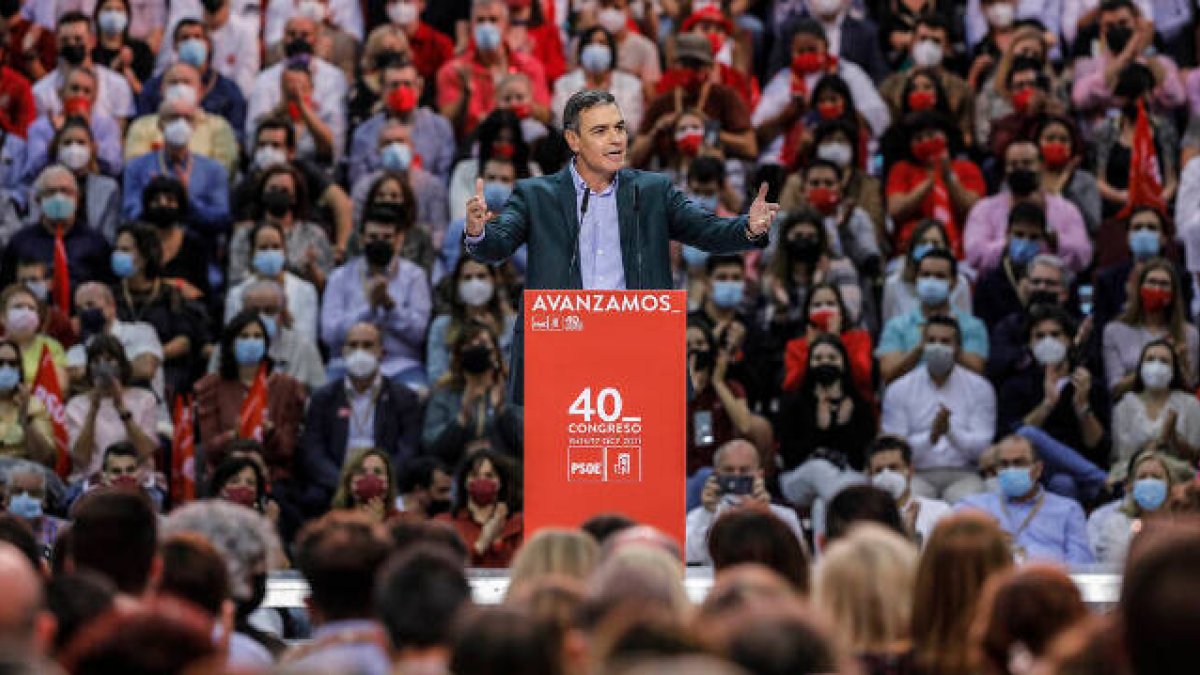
(737, 482)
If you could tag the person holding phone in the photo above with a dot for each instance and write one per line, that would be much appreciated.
(736, 482)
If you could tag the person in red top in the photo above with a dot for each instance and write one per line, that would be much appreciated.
(466, 86)
(33, 49)
(17, 108)
(929, 182)
(826, 316)
(532, 34)
(735, 61)
(430, 49)
(486, 511)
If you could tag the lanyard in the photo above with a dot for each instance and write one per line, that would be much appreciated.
(1028, 519)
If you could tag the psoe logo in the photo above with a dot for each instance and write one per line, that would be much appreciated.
(585, 465)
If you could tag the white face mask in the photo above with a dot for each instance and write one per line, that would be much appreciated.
(74, 155)
(1001, 15)
(475, 292)
(825, 9)
(892, 482)
(177, 133)
(183, 93)
(311, 9)
(612, 20)
(1156, 375)
(927, 53)
(1049, 351)
(402, 13)
(267, 156)
(839, 153)
(361, 363)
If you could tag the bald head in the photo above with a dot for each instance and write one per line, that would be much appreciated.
(23, 621)
(364, 336)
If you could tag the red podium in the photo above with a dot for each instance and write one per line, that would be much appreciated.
(605, 408)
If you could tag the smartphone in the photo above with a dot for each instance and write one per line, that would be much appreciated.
(712, 133)
(702, 428)
(1086, 295)
(735, 485)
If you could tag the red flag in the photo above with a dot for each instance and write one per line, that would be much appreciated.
(1145, 182)
(254, 408)
(47, 390)
(62, 273)
(183, 454)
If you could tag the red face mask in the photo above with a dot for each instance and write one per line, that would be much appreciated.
(241, 494)
(1021, 99)
(125, 482)
(823, 199)
(1155, 299)
(716, 41)
(831, 111)
(821, 318)
(503, 149)
(77, 105)
(368, 487)
(483, 491)
(522, 110)
(689, 143)
(919, 101)
(402, 100)
(1056, 154)
(807, 63)
(929, 149)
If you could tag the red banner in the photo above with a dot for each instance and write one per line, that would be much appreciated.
(62, 274)
(47, 390)
(254, 408)
(183, 453)
(1145, 184)
(605, 407)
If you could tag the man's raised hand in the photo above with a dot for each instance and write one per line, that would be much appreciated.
(762, 213)
(477, 211)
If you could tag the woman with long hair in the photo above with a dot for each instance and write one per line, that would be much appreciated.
(1160, 411)
(477, 296)
(1020, 615)
(487, 508)
(368, 485)
(1149, 482)
(1156, 310)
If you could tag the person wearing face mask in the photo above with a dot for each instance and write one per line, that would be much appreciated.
(74, 146)
(1045, 282)
(398, 157)
(988, 20)
(97, 314)
(478, 297)
(499, 175)
(827, 314)
(430, 47)
(217, 93)
(1154, 310)
(117, 49)
(219, 396)
(1041, 525)
(851, 232)
(637, 54)
(240, 480)
(76, 39)
(1147, 489)
(852, 37)
(211, 135)
(838, 141)
(1147, 235)
(466, 85)
(900, 286)
(292, 353)
(25, 429)
(206, 180)
(901, 346)
(22, 319)
(217, 34)
(283, 202)
(1027, 87)
(1157, 411)
(57, 193)
(361, 410)
(184, 260)
(997, 295)
(931, 48)
(534, 32)
(344, 15)
(423, 484)
(945, 411)
(547, 148)
(367, 486)
(1062, 157)
(889, 468)
(331, 41)
(19, 110)
(486, 510)
(597, 56)
(35, 275)
(984, 236)
(268, 262)
(78, 92)
(25, 496)
(30, 46)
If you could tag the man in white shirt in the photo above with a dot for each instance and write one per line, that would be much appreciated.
(343, 14)
(889, 464)
(75, 43)
(142, 347)
(946, 413)
(232, 36)
(329, 85)
(737, 481)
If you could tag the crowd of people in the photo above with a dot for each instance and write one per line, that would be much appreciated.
(234, 273)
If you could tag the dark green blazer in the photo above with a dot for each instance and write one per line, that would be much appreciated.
(543, 213)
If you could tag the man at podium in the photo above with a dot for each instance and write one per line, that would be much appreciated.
(597, 225)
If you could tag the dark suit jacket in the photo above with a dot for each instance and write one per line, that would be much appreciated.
(327, 427)
(996, 296)
(859, 43)
(543, 212)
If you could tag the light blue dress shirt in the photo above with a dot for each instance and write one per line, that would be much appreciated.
(600, 263)
(1057, 533)
(902, 333)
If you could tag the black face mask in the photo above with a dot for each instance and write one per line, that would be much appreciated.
(258, 593)
(438, 506)
(277, 202)
(212, 6)
(804, 249)
(9, 7)
(73, 53)
(1022, 182)
(161, 217)
(297, 48)
(704, 358)
(91, 322)
(1043, 298)
(1116, 37)
(477, 359)
(378, 253)
(826, 374)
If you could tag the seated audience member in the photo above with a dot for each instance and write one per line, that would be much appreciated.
(185, 255)
(826, 315)
(331, 41)
(499, 176)
(547, 146)
(115, 534)
(637, 54)
(113, 410)
(227, 29)
(400, 87)
(240, 480)
(208, 135)
(282, 199)
(268, 262)
(36, 276)
(1046, 283)
(597, 54)
(75, 42)
(466, 86)
(930, 53)
(566, 554)
(901, 346)
(823, 427)
(946, 412)
(207, 182)
(1027, 86)
(395, 149)
(1066, 233)
(723, 312)
(477, 296)
(367, 486)
(890, 468)
(58, 197)
(123, 468)
(1157, 412)
(384, 289)
(74, 147)
(180, 633)
(1148, 484)
(1041, 524)
(836, 141)
(362, 410)
(25, 427)
(900, 287)
(26, 496)
(499, 137)
(756, 536)
(22, 318)
(487, 508)
(998, 293)
(420, 595)
(864, 582)
(79, 92)
(217, 93)
(1058, 406)
(1156, 311)
(1062, 152)
(737, 482)
(470, 403)
(292, 353)
(1148, 236)
(220, 397)
(851, 232)
(423, 487)
(929, 180)
(75, 600)
(1022, 612)
(143, 350)
(19, 111)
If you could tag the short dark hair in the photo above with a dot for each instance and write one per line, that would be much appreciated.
(1158, 605)
(17, 531)
(392, 215)
(811, 27)
(946, 321)
(823, 164)
(1021, 64)
(723, 260)
(749, 535)
(277, 123)
(503, 640)
(185, 23)
(605, 525)
(890, 443)
(417, 472)
(118, 449)
(231, 467)
(419, 596)
(116, 534)
(1043, 312)
(166, 185)
(705, 169)
(1114, 5)
(409, 532)
(339, 555)
(941, 254)
(194, 570)
(74, 17)
(583, 100)
(1029, 213)
(932, 20)
(163, 635)
(75, 600)
(861, 503)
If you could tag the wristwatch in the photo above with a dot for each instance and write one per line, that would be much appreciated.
(125, 415)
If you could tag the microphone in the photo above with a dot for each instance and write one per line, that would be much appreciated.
(587, 192)
(637, 223)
